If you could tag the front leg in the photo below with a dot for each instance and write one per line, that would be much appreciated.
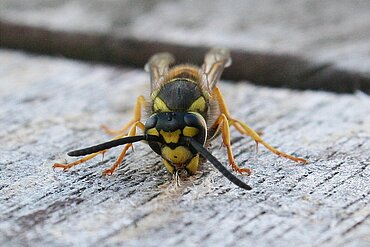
(116, 164)
(84, 159)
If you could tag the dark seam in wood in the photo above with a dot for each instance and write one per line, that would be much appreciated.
(330, 176)
(238, 227)
(276, 70)
(363, 196)
(349, 229)
(346, 179)
(357, 224)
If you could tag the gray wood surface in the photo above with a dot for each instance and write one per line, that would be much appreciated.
(52, 105)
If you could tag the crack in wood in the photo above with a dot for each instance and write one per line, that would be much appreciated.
(261, 68)
(344, 232)
(357, 224)
(327, 178)
(347, 179)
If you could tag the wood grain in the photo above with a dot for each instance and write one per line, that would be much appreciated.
(52, 105)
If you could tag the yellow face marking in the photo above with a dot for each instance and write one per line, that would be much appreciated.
(192, 167)
(199, 105)
(152, 131)
(179, 155)
(190, 131)
(160, 106)
(171, 136)
(168, 166)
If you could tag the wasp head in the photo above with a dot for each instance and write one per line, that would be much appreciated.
(173, 128)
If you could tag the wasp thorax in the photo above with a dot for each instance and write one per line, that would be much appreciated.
(174, 129)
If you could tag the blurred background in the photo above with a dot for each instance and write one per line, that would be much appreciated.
(299, 44)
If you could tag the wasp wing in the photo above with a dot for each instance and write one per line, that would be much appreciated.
(214, 63)
(158, 66)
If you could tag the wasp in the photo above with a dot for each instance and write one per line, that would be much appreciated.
(186, 112)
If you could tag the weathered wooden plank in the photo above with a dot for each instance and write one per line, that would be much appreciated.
(50, 106)
(315, 44)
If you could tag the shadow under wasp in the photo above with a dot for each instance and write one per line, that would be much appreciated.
(186, 113)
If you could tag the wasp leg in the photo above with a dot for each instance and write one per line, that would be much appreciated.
(243, 128)
(77, 162)
(82, 160)
(223, 122)
(116, 164)
(140, 102)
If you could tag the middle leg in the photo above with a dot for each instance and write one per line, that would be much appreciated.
(140, 102)
(243, 128)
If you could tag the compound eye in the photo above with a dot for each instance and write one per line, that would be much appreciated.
(194, 120)
(150, 129)
(195, 127)
(151, 122)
